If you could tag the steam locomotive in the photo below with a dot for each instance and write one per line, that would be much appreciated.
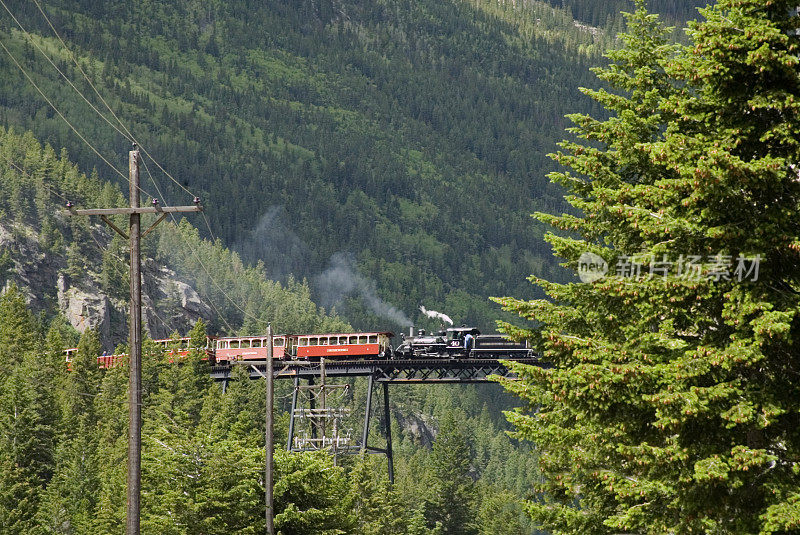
(460, 342)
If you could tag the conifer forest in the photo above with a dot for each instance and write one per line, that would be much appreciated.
(612, 186)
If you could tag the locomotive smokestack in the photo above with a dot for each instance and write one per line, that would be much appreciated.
(411, 332)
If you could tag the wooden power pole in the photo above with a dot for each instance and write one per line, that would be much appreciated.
(135, 389)
(268, 438)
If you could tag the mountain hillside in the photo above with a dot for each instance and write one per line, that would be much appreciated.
(78, 267)
(60, 275)
(403, 143)
(674, 12)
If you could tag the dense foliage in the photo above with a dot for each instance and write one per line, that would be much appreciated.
(671, 405)
(602, 13)
(65, 472)
(63, 447)
(397, 132)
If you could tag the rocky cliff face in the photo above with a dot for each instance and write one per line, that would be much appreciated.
(168, 303)
(420, 427)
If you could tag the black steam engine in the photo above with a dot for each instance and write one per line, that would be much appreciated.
(460, 342)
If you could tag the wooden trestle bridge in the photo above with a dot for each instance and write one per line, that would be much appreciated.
(324, 433)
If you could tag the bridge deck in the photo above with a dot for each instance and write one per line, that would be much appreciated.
(391, 371)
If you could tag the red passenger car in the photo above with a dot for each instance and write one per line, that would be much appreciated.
(68, 355)
(237, 348)
(345, 345)
(178, 348)
(105, 362)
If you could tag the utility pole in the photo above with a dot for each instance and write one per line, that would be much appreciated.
(269, 380)
(135, 386)
(268, 442)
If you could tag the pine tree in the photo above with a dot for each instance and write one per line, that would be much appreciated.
(18, 499)
(83, 383)
(451, 502)
(375, 504)
(670, 404)
(27, 442)
(69, 503)
(27, 417)
(18, 330)
(418, 525)
(311, 495)
(111, 407)
(499, 512)
(172, 469)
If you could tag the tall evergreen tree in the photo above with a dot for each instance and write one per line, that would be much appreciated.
(172, 470)
(376, 506)
(669, 406)
(27, 443)
(71, 497)
(451, 502)
(18, 330)
(111, 407)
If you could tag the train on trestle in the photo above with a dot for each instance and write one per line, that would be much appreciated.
(452, 343)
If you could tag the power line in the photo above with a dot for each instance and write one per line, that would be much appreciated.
(205, 269)
(208, 225)
(22, 69)
(126, 133)
(130, 134)
(64, 76)
(131, 137)
(197, 256)
(30, 38)
(49, 189)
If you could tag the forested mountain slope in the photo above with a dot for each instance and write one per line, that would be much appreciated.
(63, 440)
(607, 13)
(405, 138)
(78, 267)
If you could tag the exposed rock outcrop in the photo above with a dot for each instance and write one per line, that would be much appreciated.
(84, 309)
(168, 303)
(418, 426)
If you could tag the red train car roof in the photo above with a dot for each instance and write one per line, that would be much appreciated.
(387, 333)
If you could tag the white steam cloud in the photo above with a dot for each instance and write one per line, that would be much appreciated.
(433, 314)
(273, 242)
(341, 279)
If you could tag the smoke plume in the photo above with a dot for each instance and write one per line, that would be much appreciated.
(433, 314)
(273, 242)
(341, 279)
